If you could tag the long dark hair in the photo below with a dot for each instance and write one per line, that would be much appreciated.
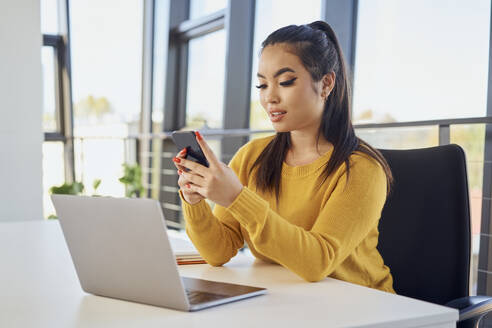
(318, 48)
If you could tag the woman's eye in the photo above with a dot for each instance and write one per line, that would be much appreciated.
(288, 82)
(285, 83)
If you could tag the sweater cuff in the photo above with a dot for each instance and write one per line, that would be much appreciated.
(194, 213)
(249, 209)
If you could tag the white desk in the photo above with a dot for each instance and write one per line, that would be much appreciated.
(39, 288)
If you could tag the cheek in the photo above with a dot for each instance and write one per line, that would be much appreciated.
(306, 100)
(301, 97)
(263, 102)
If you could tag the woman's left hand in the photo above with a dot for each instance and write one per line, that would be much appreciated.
(218, 182)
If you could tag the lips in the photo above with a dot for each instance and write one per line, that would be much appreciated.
(278, 116)
(272, 111)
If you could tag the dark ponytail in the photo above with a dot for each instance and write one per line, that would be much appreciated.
(317, 47)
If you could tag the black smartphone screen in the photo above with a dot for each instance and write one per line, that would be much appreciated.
(187, 139)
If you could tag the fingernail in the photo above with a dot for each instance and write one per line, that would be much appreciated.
(188, 185)
(176, 160)
(198, 135)
(183, 151)
(180, 172)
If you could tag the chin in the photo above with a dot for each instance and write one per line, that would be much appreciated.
(281, 129)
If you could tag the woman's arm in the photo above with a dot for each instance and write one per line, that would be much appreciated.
(351, 212)
(216, 235)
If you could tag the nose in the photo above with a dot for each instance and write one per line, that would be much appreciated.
(271, 96)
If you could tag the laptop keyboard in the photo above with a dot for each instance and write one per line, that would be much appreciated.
(198, 297)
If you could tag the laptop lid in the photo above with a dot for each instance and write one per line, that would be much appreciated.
(120, 249)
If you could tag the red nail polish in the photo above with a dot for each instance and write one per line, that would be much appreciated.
(180, 172)
(198, 135)
(183, 151)
(176, 160)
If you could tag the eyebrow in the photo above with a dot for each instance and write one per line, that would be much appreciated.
(279, 72)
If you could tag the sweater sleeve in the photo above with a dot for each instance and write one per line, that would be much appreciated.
(215, 234)
(352, 210)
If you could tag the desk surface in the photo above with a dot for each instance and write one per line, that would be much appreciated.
(39, 288)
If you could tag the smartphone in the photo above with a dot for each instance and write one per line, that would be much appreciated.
(187, 139)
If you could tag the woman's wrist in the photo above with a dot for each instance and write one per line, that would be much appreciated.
(188, 201)
(235, 195)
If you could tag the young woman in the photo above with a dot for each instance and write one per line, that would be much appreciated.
(308, 198)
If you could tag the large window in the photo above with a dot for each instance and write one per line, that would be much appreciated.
(421, 60)
(159, 58)
(53, 152)
(106, 46)
(48, 61)
(49, 17)
(52, 53)
(200, 8)
(56, 148)
(206, 73)
(271, 15)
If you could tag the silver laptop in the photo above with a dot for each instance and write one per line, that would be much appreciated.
(120, 249)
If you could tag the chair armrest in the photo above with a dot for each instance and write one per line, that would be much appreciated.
(472, 306)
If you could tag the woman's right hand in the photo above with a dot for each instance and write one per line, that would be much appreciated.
(189, 196)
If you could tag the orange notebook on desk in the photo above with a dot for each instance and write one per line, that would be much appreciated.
(184, 250)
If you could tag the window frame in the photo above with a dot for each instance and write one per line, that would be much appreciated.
(63, 93)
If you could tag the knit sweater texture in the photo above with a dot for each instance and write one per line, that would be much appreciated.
(316, 232)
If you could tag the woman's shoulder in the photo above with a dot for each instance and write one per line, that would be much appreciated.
(363, 158)
(363, 164)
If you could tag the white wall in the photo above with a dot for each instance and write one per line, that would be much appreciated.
(21, 134)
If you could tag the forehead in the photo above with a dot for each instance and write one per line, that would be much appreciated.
(277, 56)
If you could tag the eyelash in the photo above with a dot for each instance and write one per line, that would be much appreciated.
(285, 84)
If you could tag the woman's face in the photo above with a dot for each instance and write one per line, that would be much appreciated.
(292, 100)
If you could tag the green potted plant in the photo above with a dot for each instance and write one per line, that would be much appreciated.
(72, 188)
(132, 179)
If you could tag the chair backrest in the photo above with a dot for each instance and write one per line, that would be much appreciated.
(425, 224)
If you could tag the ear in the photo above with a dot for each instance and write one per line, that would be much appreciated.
(328, 83)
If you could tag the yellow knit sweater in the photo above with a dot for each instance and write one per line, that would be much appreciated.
(315, 232)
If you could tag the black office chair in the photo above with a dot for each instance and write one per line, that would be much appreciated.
(425, 230)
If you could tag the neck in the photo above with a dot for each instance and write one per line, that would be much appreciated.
(306, 143)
